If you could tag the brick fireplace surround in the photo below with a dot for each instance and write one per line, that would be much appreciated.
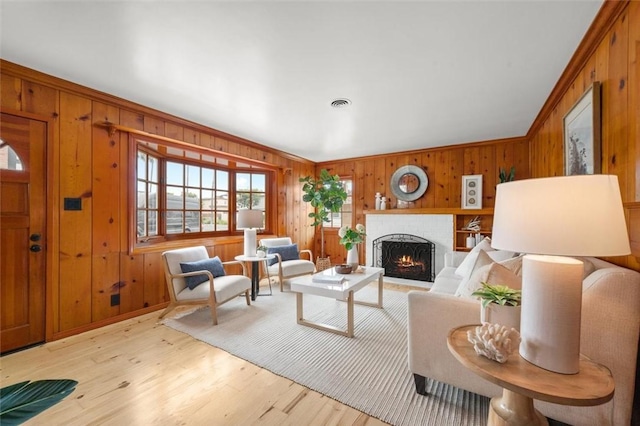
(437, 228)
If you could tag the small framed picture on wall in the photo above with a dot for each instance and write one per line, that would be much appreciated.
(472, 192)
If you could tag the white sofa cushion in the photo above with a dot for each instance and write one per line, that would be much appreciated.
(493, 274)
(293, 268)
(514, 264)
(447, 281)
(226, 287)
(484, 245)
(472, 263)
(466, 266)
(500, 255)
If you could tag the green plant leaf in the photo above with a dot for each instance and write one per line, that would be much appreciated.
(498, 294)
(22, 401)
(325, 194)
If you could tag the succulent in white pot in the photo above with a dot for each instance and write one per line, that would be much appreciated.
(500, 304)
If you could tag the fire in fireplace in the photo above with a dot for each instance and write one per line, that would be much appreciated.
(405, 256)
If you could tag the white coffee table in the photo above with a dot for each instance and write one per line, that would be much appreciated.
(343, 291)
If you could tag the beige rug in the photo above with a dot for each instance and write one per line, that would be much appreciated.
(368, 372)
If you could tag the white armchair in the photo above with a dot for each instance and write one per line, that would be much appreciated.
(283, 267)
(213, 292)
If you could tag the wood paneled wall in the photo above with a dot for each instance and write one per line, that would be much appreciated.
(88, 258)
(612, 60)
(444, 167)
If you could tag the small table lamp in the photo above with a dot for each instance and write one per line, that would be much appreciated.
(549, 218)
(249, 220)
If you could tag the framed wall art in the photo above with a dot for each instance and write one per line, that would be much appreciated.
(582, 132)
(472, 192)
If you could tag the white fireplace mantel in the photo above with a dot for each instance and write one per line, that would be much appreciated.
(437, 228)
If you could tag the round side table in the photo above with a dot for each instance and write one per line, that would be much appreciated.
(522, 382)
(255, 272)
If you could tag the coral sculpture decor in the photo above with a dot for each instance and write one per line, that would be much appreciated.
(494, 341)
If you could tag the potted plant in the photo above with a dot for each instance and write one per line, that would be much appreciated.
(326, 195)
(504, 177)
(350, 238)
(261, 251)
(500, 304)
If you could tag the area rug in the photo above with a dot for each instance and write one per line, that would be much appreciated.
(368, 372)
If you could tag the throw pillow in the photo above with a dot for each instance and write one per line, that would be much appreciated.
(493, 274)
(485, 245)
(213, 265)
(500, 255)
(466, 267)
(478, 260)
(288, 252)
(514, 264)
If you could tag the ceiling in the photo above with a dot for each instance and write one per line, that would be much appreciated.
(419, 74)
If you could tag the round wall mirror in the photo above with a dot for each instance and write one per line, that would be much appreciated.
(409, 183)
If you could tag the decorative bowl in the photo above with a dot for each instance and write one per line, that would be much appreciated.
(344, 268)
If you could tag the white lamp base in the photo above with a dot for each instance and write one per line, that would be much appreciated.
(551, 309)
(250, 242)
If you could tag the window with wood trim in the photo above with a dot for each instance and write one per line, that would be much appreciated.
(345, 215)
(196, 198)
(180, 192)
(147, 195)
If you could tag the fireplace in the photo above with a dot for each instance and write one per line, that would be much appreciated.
(405, 256)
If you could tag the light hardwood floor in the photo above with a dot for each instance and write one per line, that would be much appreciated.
(138, 372)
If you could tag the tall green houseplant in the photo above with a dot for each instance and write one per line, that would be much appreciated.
(326, 195)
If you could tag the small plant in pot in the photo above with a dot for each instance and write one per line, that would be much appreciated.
(500, 304)
(261, 251)
(504, 177)
(350, 238)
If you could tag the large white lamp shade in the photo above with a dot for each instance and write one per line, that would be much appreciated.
(550, 218)
(249, 220)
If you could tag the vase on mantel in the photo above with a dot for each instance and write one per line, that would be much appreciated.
(352, 257)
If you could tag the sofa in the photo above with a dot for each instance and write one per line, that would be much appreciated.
(609, 334)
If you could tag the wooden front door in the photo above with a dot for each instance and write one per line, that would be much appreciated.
(22, 231)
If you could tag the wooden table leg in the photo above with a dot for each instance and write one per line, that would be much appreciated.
(326, 327)
(299, 305)
(513, 409)
(379, 303)
(350, 314)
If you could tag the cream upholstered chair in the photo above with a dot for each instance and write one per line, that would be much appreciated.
(214, 291)
(286, 266)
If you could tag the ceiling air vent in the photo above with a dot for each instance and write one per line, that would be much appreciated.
(340, 103)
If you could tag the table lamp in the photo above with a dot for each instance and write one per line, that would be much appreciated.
(249, 220)
(548, 219)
